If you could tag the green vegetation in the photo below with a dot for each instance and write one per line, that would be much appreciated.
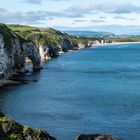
(49, 37)
(7, 35)
(18, 130)
(123, 39)
(12, 137)
(40, 36)
(26, 129)
(7, 120)
(46, 36)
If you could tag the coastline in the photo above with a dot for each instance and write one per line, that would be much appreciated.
(12, 130)
(46, 60)
(115, 43)
(122, 43)
(98, 45)
(10, 82)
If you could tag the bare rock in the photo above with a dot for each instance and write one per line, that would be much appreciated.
(96, 137)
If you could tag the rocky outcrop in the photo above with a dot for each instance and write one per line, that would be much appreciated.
(51, 42)
(44, 52)
(12, 130)
(32, 53)
(11, 58)
(53, 50)
(66, 45)
(13, 52)
(48, 52)
(96, 137)
(3, 59)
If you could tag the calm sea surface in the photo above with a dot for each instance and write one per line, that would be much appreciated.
(86, 91)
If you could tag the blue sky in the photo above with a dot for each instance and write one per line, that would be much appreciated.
(120, 16)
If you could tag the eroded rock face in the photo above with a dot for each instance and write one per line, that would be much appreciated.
(3, 59)
(44, 52)
(66, 45)
(10, 130)
(32, 52)
(17, 55)
(11, 58)
(13, 55)
(96, 137)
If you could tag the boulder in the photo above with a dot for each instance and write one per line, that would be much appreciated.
(96, 137)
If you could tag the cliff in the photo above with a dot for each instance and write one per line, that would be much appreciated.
(13, 52)
(50, 42)
(19, 43)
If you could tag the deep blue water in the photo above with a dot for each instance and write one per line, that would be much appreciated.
(86, 91)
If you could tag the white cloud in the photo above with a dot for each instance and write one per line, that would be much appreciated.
(33, 1)
(82, 15)
(113, 8)
(37, 1)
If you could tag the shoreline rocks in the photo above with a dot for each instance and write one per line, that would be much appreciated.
(11, 130)
(96, 137)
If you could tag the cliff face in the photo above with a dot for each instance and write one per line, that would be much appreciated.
(66, 45)
(32, 53)
(3, 59)
(13, 52)
(50, 42)
(19, 43)
(11, 59)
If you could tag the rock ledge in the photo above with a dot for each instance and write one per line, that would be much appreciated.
(96, 137)
(11, 130)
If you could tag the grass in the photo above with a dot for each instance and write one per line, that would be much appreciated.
(7, 35)
(40, 36)
(25, 130)
(6, 120)
(119, 39)
(46, 36)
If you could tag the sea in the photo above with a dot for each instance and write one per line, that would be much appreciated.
(92, 90)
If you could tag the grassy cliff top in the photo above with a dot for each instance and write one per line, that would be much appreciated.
(29, 30)
(4, 30)
(7, 34)
(40, 36)
(45, 36)
(23, 28)
(124, 39)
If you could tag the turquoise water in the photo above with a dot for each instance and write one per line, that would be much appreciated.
(86, 91)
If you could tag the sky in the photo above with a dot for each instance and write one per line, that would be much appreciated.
(118, 16)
